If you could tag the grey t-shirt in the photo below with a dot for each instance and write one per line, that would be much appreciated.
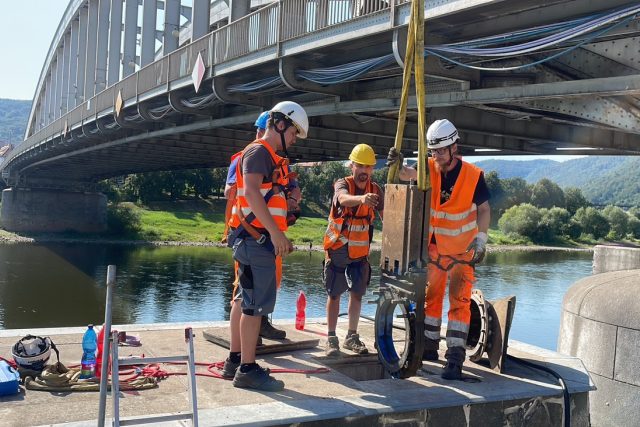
(257, 159)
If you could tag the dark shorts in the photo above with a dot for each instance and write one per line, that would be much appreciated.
(256, 276)
(342, 273)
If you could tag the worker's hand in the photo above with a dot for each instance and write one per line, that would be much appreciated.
(292, 204)
(370, 199)
(281, 245)
(394, 157)
(479, 247)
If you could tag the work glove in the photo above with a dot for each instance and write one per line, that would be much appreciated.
(394, 156)
(479, 247)
(292, 217)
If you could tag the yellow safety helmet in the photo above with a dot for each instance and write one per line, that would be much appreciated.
(363, 154)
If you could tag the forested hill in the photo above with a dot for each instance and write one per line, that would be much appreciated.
(14, 115)
(602, 179)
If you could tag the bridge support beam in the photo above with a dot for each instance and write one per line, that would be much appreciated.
(130, 34)
(199, 18)
(44, 210)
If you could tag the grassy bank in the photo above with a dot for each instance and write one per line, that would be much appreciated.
(202, 222)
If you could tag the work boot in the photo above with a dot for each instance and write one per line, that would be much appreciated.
(333, 347)
(257, 379)
(269, 332)
(353, 343)
(229, 369)
(455, 358)
(452, 371)
(430, 351)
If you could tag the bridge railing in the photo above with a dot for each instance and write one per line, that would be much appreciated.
(270, 25)
(255, 31)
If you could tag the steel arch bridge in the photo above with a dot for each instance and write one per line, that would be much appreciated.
(143, 85)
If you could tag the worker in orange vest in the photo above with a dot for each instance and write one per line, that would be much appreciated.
(347, 240)
(257, 226)
(458, 225)
(294, 196)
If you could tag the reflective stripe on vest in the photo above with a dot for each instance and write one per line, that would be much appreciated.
(352, 226)
(454, 222)
(277, 204)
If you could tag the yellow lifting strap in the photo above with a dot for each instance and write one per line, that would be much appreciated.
(414, 56)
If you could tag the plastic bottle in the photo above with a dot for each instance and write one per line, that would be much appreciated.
(89, 346)
(301, 306)
(99, 352)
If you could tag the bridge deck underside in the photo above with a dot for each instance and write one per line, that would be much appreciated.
(583, 102)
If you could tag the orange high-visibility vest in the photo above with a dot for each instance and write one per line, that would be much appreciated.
(454, 222)
(230, 202)
(277, 204)
(352, 226)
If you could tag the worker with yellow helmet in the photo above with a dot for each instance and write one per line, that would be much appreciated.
(347, 240)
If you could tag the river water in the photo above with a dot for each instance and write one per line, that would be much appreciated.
(56, 285)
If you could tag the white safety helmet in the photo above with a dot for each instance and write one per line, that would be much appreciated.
(296, 114)
(441, 133)
(33, 352)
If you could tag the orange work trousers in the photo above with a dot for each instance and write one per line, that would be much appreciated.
(461, 279)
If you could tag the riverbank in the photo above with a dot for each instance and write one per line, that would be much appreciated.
(7, 237)
(200, 223)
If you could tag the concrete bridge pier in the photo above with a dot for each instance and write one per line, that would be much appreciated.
(47, 210)
(600, 325)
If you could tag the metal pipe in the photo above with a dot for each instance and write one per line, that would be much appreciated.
(104, 371)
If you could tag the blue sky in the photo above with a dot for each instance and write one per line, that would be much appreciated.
(26, 32)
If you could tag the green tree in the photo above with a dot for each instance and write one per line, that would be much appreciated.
(574, 200)
(633, 227)
(547, 194)
(498, 195)
(517, 192)
(573, 229)
(522, 219)
(635, 211)
(592, 222)
(618, 220)
(552, 224)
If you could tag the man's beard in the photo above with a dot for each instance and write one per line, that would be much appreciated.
(362, 177)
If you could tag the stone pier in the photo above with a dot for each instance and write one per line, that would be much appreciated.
(44, 210)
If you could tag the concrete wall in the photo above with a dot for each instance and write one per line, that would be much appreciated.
(38, 210)
(615, 258)
(600, 324)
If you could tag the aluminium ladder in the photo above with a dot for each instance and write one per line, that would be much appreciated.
(110, 345)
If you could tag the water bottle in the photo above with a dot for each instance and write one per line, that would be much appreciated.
(99, 352)
(301, 306)
(89, 346)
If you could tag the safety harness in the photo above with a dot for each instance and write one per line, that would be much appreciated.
(280, 171)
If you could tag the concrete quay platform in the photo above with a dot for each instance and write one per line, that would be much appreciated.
(354, 393)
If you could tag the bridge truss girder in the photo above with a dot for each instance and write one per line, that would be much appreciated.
(585, 102)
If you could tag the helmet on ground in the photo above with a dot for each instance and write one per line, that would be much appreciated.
(441, 133)
(363, 154)
(32, 352)
(261, 121)
(293, 112)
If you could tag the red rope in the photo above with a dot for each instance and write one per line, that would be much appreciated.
(214, 370)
